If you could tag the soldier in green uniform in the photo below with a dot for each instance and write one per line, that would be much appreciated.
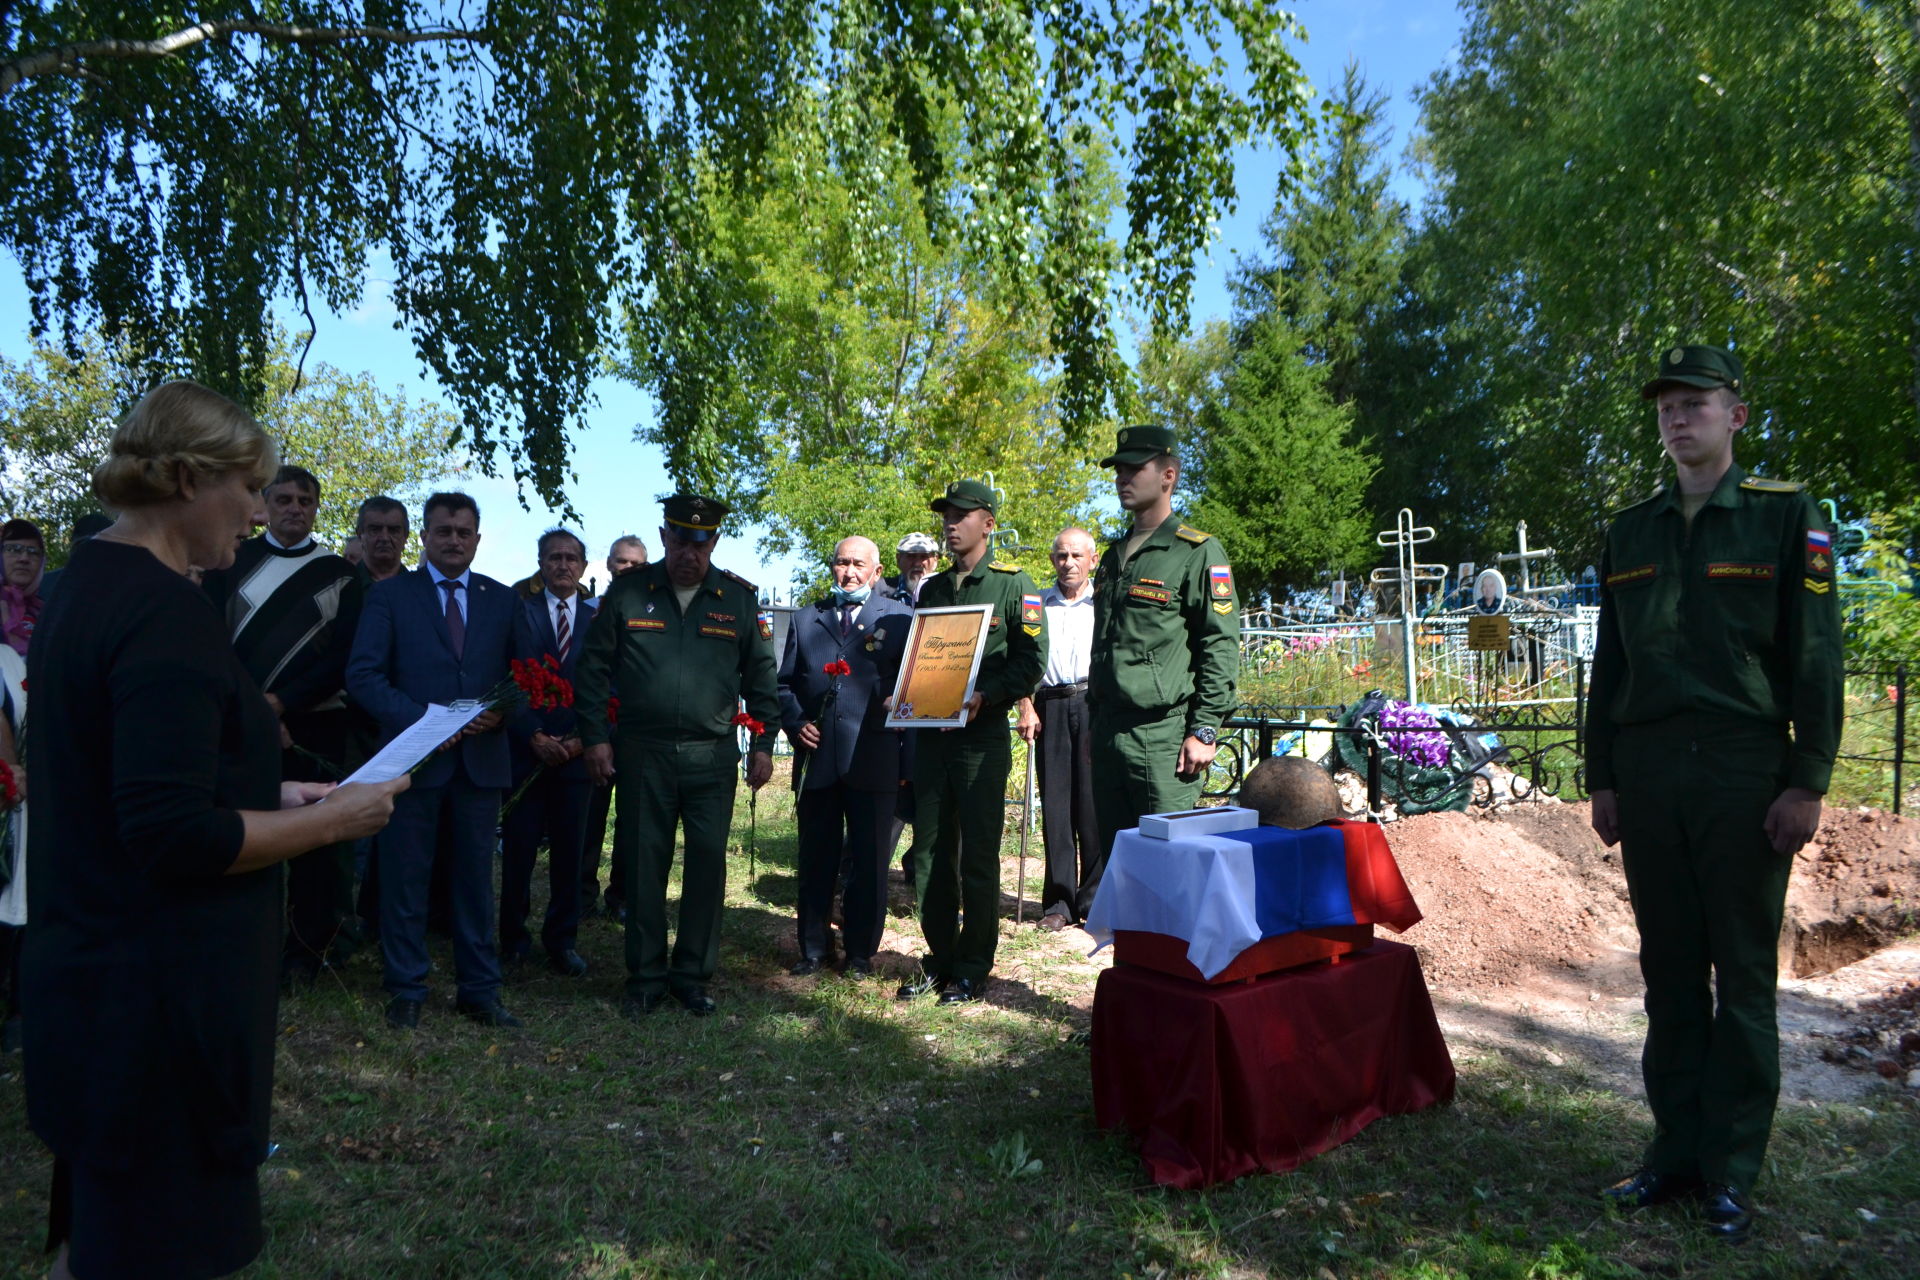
(1166, 647)
(680, 643)
(1719, 628)
(960, 775)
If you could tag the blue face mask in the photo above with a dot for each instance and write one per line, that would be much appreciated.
(843, 597)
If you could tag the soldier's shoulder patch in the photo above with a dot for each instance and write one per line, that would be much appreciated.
(1761, 484)
(1003, 566)
(1819, 586)
(1188, 533)
(764, 624)
(1222, 607)
(730, 574)
(1820, 552)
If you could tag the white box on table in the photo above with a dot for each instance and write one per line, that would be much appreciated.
(1197, 822)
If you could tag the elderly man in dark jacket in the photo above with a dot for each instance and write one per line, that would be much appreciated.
(842, 657)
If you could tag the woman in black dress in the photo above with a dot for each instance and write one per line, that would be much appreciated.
(159, 825)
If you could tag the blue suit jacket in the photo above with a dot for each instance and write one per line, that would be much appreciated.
(854, 747)
(403, 659)
(533, 639)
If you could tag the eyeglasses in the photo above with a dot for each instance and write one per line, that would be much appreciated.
(22, 549)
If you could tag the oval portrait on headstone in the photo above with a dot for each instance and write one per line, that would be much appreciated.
(1489, 591)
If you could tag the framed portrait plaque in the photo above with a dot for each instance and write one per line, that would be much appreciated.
(943, 659)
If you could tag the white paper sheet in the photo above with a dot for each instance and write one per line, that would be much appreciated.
(418, 741)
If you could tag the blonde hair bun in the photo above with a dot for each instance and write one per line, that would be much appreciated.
(180, 424)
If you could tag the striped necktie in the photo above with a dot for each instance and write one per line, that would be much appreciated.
(561, 630)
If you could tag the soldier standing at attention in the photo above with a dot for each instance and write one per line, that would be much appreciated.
(681, 643)
(960, 775)
(1719, 628)
(1166, 649)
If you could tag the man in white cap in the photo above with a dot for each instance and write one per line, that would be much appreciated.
(916, 555)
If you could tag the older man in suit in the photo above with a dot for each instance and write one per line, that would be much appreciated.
(549, 775)
(848, 766)
(434, 636)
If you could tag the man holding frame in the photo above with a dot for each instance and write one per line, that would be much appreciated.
(960, 775)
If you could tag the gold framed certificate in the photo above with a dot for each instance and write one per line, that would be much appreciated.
(942, 661)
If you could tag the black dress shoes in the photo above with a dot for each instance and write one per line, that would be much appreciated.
(807, 967)
(695, 1001)
(963, 990)
(635, 1008)
(1729, 1213)
(1646, 1188)
(926, 984)
(403, 1014)
(859, 967)
(493, 1014)
(568, 963)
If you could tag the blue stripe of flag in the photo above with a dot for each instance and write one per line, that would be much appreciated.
(1299, 878)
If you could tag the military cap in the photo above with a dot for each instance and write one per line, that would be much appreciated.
(915, 544)
(1135, 445)
(694, 518)
(965, 495)
(1696, 367)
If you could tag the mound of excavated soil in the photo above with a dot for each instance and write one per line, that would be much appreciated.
(1855, 890)
(1529, 934)
(1509, 897)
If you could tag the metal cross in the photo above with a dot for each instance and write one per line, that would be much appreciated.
(1525, 558)
(1407, 574)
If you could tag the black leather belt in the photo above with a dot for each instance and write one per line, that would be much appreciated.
(1060, 690)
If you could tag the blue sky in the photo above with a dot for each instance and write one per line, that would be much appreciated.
(1397, 43)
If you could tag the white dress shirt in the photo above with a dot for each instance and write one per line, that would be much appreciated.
(1069, 636)
(466, 586)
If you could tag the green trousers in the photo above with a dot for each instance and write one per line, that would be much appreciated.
(960, 813)
(664, 785)
(1133, 763)
(1708, 894)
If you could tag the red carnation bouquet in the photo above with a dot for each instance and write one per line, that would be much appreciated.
(539, 683)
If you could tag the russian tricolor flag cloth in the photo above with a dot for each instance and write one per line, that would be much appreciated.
(1227, 891)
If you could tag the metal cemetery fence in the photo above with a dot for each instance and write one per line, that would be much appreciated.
(1532, 698)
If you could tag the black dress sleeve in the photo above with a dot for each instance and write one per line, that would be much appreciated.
(171, 691)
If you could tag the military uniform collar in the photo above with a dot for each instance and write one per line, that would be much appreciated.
(1162, 535)
(979, 569)
(657, 578)
(1725, 494)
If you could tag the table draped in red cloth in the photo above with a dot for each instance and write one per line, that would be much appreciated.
(1220, 1081)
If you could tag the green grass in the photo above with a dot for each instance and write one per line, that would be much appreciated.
(822, 1129)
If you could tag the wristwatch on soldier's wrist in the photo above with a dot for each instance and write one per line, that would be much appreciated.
(1206, 737)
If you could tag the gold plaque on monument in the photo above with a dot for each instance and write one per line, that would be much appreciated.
(1488, 634)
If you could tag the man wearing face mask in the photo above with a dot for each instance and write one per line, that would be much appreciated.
(847, 764)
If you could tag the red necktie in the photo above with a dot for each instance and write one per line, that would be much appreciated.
(456, 625)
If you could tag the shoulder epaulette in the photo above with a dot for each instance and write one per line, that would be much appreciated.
(1191, 534)
(728, 573)
(1003, 566)
(1760, 484)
